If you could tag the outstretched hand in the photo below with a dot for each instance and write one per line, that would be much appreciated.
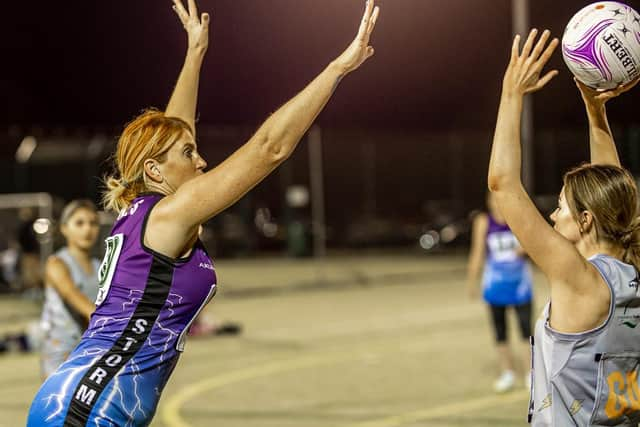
(523, 73)
(595, 98)
(197, 27)
(360, 50)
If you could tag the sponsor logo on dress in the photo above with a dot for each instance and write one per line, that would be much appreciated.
(629, 320)
(206, 265)
(546, 403)
(576, 406)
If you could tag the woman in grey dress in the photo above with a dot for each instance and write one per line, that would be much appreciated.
(71, 285)
(586, 347)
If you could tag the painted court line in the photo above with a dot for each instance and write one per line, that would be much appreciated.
(170, 412)
(446, 410)
(171, 417)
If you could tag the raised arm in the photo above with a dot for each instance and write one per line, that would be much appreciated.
(601, 143)
(555, 255)
(206, 195)
(58, 276)
(185, 95)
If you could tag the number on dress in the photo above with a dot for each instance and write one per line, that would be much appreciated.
(113, 247)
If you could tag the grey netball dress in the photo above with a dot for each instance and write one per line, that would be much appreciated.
(62, 327)
(591, 378)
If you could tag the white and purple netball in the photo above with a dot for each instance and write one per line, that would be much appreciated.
(601, 44)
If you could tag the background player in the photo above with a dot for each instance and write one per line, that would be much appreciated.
(506, 282)
(71, 285)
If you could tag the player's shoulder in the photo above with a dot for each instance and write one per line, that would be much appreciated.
(56, 265)
(139, 206)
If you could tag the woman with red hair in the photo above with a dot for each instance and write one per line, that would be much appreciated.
(156, 275)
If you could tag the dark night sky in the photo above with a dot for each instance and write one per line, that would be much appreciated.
(413, 125)
(438, 63)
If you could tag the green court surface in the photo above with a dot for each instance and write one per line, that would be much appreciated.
(361, 341)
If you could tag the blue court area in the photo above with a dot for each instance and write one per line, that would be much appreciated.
(357, 341)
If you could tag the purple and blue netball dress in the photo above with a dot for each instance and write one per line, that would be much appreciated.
(145, 305)
(507, 274)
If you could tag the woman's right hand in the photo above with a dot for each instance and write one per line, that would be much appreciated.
(523, 73)
(197, 28)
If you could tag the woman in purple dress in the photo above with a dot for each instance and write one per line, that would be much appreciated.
(156, 275)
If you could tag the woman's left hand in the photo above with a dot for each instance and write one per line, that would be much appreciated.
(523, 73)
(359, 50)
(596, 98)
(197, 27)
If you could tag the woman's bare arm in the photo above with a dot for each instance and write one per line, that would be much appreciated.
(574, 281)
(602, 146)
(57, 275)
(179, 214)
(478, 252)
(184, 98)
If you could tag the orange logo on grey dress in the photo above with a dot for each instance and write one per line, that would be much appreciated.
(624, 394)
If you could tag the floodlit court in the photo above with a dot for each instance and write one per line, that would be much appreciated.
(354, 168)
(357, 341)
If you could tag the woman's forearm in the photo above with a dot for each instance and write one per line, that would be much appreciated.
(602, 146)
(284, 129)
(505, 164)
(184, 98)
(474, 267)
(80, 303)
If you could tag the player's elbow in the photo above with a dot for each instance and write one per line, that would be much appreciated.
(501, 182)
(495, 182)
(273, 148)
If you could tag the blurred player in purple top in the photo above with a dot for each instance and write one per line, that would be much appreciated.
(156, 275)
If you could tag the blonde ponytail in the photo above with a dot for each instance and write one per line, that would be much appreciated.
(119, 194)
(631, 243)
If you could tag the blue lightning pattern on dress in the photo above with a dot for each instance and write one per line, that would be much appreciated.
(68, 374)
(116, 375)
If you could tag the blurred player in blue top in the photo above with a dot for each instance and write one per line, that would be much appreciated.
(506, 282)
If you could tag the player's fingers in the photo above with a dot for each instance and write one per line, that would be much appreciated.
(628, 86)
(364, 24)
(370, 51)
(528, 45)
(205, 21)
(542, 42)
(193, 9)
(181, 11)
(515, 48)
(546, 55)
(545, 79)
(374, 19)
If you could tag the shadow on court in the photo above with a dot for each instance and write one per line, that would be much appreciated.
(368, 341)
